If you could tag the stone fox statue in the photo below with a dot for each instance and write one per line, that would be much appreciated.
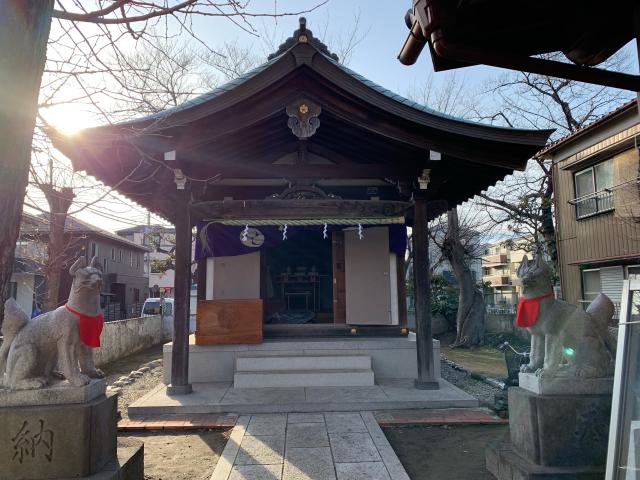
(62, 338)
(566, 341)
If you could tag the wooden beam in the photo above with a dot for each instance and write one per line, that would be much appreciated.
(250, 168)
(422, 287)
(298, 209)
(182, 287)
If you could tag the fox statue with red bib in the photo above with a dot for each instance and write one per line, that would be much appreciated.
(61, 339)
(566, 341)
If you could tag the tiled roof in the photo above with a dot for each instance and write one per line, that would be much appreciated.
(37, 223)
(205, 97)
(289, 44)
(585, 128)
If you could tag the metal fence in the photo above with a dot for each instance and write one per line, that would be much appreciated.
(501, 302)
(115, 311)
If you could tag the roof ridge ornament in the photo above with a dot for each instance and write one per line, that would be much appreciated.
(303, 35)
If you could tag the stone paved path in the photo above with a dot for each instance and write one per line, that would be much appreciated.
(308, 446)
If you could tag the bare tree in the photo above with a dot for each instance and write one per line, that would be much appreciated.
(458, 242)
(524, 201)
(459, 247)
(85, 36)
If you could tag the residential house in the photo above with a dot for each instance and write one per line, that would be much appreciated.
(500, 264)
(160, 241)
(125, 281)
(597, 205)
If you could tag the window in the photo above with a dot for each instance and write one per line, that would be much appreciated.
(120, 255)
(633, 272)
(131, 259)
(591, 284)
(593, 189)
(113, 253)
(12, 290)
(138, 260)
(104, 265)
(95, 251)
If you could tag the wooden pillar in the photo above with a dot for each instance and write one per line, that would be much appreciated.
(202, 279)
(402, 291)
(182, 287)
(422, 287)
(339, 292)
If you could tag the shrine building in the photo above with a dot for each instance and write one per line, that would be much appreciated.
(298, 181)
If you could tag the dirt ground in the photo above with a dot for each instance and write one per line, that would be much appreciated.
(179, 456)
(444, 452)
(426, 452)
(167, 456)
(486, 360)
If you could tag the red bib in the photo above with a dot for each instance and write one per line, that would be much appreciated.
(89, 328)
(528, 309)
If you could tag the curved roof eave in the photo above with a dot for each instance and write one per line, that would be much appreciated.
(261, 77)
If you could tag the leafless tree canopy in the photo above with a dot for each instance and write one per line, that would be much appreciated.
(75, 51)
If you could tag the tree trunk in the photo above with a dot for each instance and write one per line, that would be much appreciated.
(471, 311)
(547, 228)
(59, 200)
(24, 31)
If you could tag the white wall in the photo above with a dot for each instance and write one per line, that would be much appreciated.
(367, 277)
(235, 277)
(25, 289)
(125, 337)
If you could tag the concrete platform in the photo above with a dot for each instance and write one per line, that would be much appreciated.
(391, 357)
(221, 397)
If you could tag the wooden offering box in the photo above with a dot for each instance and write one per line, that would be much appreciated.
(228, 322)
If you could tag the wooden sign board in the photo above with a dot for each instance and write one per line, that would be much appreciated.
(229, 322)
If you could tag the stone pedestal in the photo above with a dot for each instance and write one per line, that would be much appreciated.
(560, 435)
(60, 440)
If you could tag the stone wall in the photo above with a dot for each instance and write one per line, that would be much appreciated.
(503, 323)
(125, 337)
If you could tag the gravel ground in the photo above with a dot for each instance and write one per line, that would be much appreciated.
(483, 392)
(139, 386)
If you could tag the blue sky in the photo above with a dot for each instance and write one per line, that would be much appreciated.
(375, 57)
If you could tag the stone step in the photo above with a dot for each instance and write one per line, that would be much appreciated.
(266, 363)
(304, 378)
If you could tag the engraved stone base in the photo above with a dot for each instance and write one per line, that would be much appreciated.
(58, 441)
(505, 464)
(559, 430)
(128, 465)
(565, 386)
(56, 394)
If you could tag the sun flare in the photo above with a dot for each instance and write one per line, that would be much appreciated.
(68, 118)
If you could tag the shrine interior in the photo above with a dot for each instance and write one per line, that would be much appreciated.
(298, 274)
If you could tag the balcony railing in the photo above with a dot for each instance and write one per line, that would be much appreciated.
(497, 259)
(496, 280)
(593, 204)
